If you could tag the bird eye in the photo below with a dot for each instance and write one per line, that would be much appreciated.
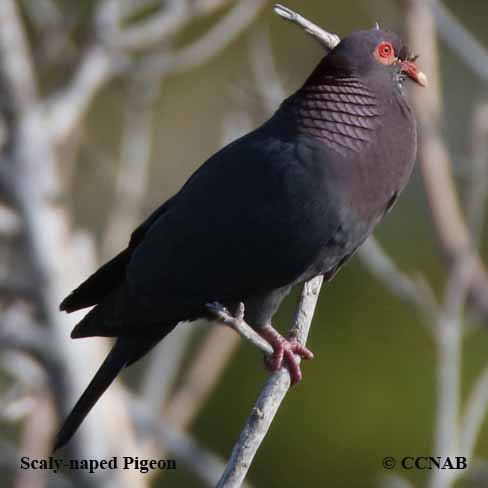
(384, 53)
(385, 50)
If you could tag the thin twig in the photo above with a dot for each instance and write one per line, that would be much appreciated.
(239, 325)
(66, 108)
(169, 19)
(214, 41)
(153, 29)
(326, 39)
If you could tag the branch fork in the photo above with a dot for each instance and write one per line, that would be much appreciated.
(278, 349)
(238, 324)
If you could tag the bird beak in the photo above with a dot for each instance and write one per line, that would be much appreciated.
(410, 69)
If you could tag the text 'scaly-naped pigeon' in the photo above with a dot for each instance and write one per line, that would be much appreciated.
(286, 202)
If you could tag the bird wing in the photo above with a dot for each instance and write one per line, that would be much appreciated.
(113, 273)
(251, 219)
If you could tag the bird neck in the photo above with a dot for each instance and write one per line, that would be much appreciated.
(339, 110)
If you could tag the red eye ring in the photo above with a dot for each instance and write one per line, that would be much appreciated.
(385, 50)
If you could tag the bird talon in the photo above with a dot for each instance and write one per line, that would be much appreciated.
(288, 351)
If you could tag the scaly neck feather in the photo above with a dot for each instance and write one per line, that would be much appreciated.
(341, 111)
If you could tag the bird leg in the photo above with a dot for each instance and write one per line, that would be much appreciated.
(288, 350)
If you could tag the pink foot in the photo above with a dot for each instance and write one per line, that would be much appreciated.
(285, 350)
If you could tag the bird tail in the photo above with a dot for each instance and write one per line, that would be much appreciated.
(126, 351)
(118, 357)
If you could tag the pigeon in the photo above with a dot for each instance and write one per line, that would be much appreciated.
(291, 200)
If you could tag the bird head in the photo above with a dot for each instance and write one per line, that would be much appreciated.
(374, 52)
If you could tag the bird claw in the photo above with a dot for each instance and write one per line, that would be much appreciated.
(289, 351)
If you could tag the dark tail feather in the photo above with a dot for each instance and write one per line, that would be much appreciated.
(110, 368)
(92, 291)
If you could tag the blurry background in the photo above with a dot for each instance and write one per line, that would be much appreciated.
(106, 108)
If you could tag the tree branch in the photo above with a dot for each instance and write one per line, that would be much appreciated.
(211, 43)
(328, 40)
(65, 109)
(238, 324)
(269, 401)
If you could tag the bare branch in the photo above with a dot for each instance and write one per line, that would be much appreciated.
(213, 42)
(326, 39)
(170, 18)
(66, 108)
(237, 323)
(151, 30)
(270, 399)
(104, 60)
